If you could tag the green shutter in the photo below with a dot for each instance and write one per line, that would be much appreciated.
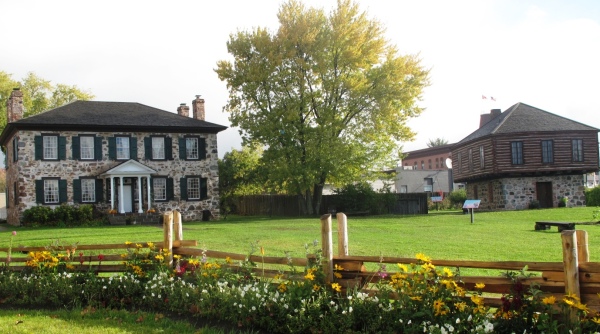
(183, 188)
(203, 188)
(39, 148)
(99, 190)
(133, 151)
(168, 148)
(76, 190)
(148, 148)
(170, 189)
(75, 148)
(201, 148)
(39, 191)
(62, 191)
(182, 151)
(112, 148)
(97, 148)
(62, 148)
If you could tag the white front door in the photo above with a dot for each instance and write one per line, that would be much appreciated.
(127, 204)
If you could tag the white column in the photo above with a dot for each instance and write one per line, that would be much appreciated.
(148, 191)
(121, 196)
(140, 199)
(112, 192)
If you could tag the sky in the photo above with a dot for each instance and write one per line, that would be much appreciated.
(163, 53)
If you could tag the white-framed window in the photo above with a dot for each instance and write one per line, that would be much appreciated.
(88, 190)
(50, 147)
(160, 188)
(193, 188)
(158, 148)
(86, 147)
(191, 148)
(122, 148)
(51, 194)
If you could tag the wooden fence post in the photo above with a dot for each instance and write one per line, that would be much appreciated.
(342, 234)
(168, 237)
(327, 247)
(178, 225)
(583, 253)
(571, 266)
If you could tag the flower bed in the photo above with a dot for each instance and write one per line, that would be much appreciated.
(416, 298)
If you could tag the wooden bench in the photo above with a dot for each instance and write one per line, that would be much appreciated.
(539, 226)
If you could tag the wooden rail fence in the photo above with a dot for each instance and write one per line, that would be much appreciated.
(574, 275)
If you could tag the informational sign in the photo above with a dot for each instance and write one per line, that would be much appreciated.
(471, 204)
(436, 199)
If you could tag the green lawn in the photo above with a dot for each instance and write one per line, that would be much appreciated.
(440, 235)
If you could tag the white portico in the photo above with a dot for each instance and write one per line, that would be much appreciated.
(126, 182)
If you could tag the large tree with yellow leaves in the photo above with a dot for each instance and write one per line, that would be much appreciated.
(327, 95)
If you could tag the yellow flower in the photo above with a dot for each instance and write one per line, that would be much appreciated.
(477, 300)
(338, 267)
(309, 276)
(262, 251)
(228, 259)
(159, 257)
(128, 243)
(479, 286)
(422, 257)
(550, 300)
(338, 275)
(316, 287)
(139, 245)
(150, 244)
(282, 287)
(336, 287)
(277, 276)
(403, 267)
(439, 307)
(417, 298)
(177, 257)
(596, 320)
(460, 306)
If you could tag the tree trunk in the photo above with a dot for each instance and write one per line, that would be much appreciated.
(317, 196)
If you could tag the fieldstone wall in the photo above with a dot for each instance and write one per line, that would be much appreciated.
(518, 193)
(26, 170)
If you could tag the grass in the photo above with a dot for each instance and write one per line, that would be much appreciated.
(494, 236)
(96, 321)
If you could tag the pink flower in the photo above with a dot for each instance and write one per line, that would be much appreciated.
(14, 232)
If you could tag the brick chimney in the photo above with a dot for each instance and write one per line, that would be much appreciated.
(485, 118)
(183, 110)
(198, 108)
(14, 106)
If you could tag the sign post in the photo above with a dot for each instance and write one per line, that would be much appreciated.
(471, 204)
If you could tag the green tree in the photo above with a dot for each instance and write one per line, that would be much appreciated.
(326, 95)
(38, 94)
(241, 173)
(437, 142)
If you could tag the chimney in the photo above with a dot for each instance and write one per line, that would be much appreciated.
(485, 118)
(198, 108)
(183, 110)
(14, 106)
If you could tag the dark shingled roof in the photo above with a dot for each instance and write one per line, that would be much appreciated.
(111, 116)
(524, 118)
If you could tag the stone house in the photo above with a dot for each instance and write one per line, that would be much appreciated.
(526, 156)
(120, 156)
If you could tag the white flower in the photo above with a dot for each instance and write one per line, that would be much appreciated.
(458, 320)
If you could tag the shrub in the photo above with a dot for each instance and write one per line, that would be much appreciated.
(458, 197)
(356, 197)
(62, 215)
(592, 196)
